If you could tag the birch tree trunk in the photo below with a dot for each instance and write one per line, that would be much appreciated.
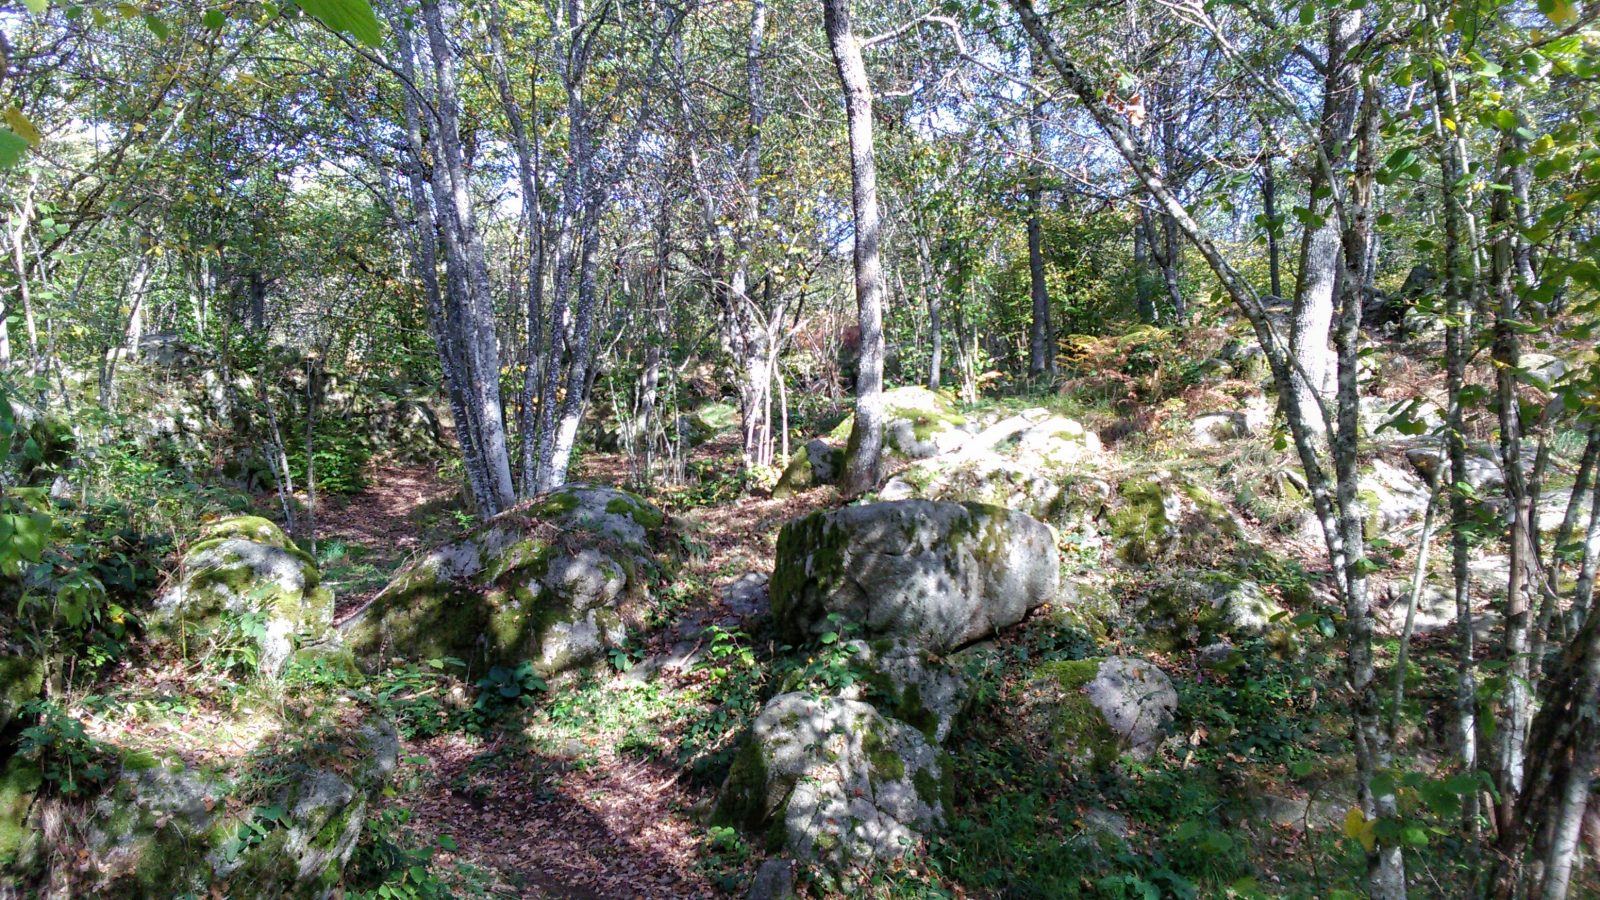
(1320, 263)
(480, 341)
(862, 459)
(1041, 341)
(1341, 515)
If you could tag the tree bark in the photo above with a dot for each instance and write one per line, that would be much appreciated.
(863, 457)
(1041, 340)
(481, 343)
(1320, 263)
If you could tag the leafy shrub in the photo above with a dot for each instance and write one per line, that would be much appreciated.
(72, 762)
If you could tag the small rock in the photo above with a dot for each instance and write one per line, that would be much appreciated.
(774, 881)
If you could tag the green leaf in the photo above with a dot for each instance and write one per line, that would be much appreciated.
(214, 19)
(12, 146)
(156, 26)
(353, 17)
(36, 6)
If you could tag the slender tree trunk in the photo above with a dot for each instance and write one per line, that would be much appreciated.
(441, 324)
(1513, 726)
(1141, 266)
(932, 296)
(866, 438)
(1320, 265)
(533, 215)
(1041, 340)
(1458, 313)
(1269, 206)
(1340, 516)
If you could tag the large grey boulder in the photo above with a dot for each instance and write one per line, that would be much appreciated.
(1394, 496)
(1034, 462)
(245, 567)
(1092, 711)
(836, 783)
(910, 684)
(937, 575)
(918, 423)
(557, 580)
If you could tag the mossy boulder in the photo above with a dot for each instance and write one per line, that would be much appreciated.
(21, 680)
(936, 575)
(707, 421)
(1092, 711)
(165, 828)
(917, 423)
(909, 684)
(1166, 517)
(1186, 610)
(557, 580)
(20, 780)
(1037, 463)
(818, 462)
(836, 783)
(244, 568)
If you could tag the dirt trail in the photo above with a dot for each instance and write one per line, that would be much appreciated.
(589, 821)
(380, 527)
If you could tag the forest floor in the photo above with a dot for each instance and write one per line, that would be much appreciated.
(587, 797)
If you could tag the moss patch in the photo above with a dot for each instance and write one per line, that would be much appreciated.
(1076, 727)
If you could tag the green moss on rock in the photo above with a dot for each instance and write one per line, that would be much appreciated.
(1075, 726)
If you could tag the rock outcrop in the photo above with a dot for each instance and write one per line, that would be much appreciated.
(1034, 462)
(1092, 711)
(835, 782)
(557, 580)
(166, 828)
(938, 575)
(918, 423)
(818, 462)
(245, 568)
(856, 775)
(1166, 517)
(1186, 610)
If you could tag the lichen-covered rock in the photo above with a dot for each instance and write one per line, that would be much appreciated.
(557, 580)
(1216, 429)
(166, 828)
(818, 462)
(21, 680)
(918, 423)
(1393, 496)
(246, 567)
(1034, 462)
(1092, 711)
(1165, 517)
(20, 780)
(1186, 610)
(835, 783)
(936, 575)
(910, 684)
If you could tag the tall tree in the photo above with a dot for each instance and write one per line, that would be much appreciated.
(863, 456)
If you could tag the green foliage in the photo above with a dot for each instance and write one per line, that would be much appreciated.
(391, 864)
(339, 456)
(73, 762)
(503, 688)
(413, 697)
(734, 681)
(354, 17)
